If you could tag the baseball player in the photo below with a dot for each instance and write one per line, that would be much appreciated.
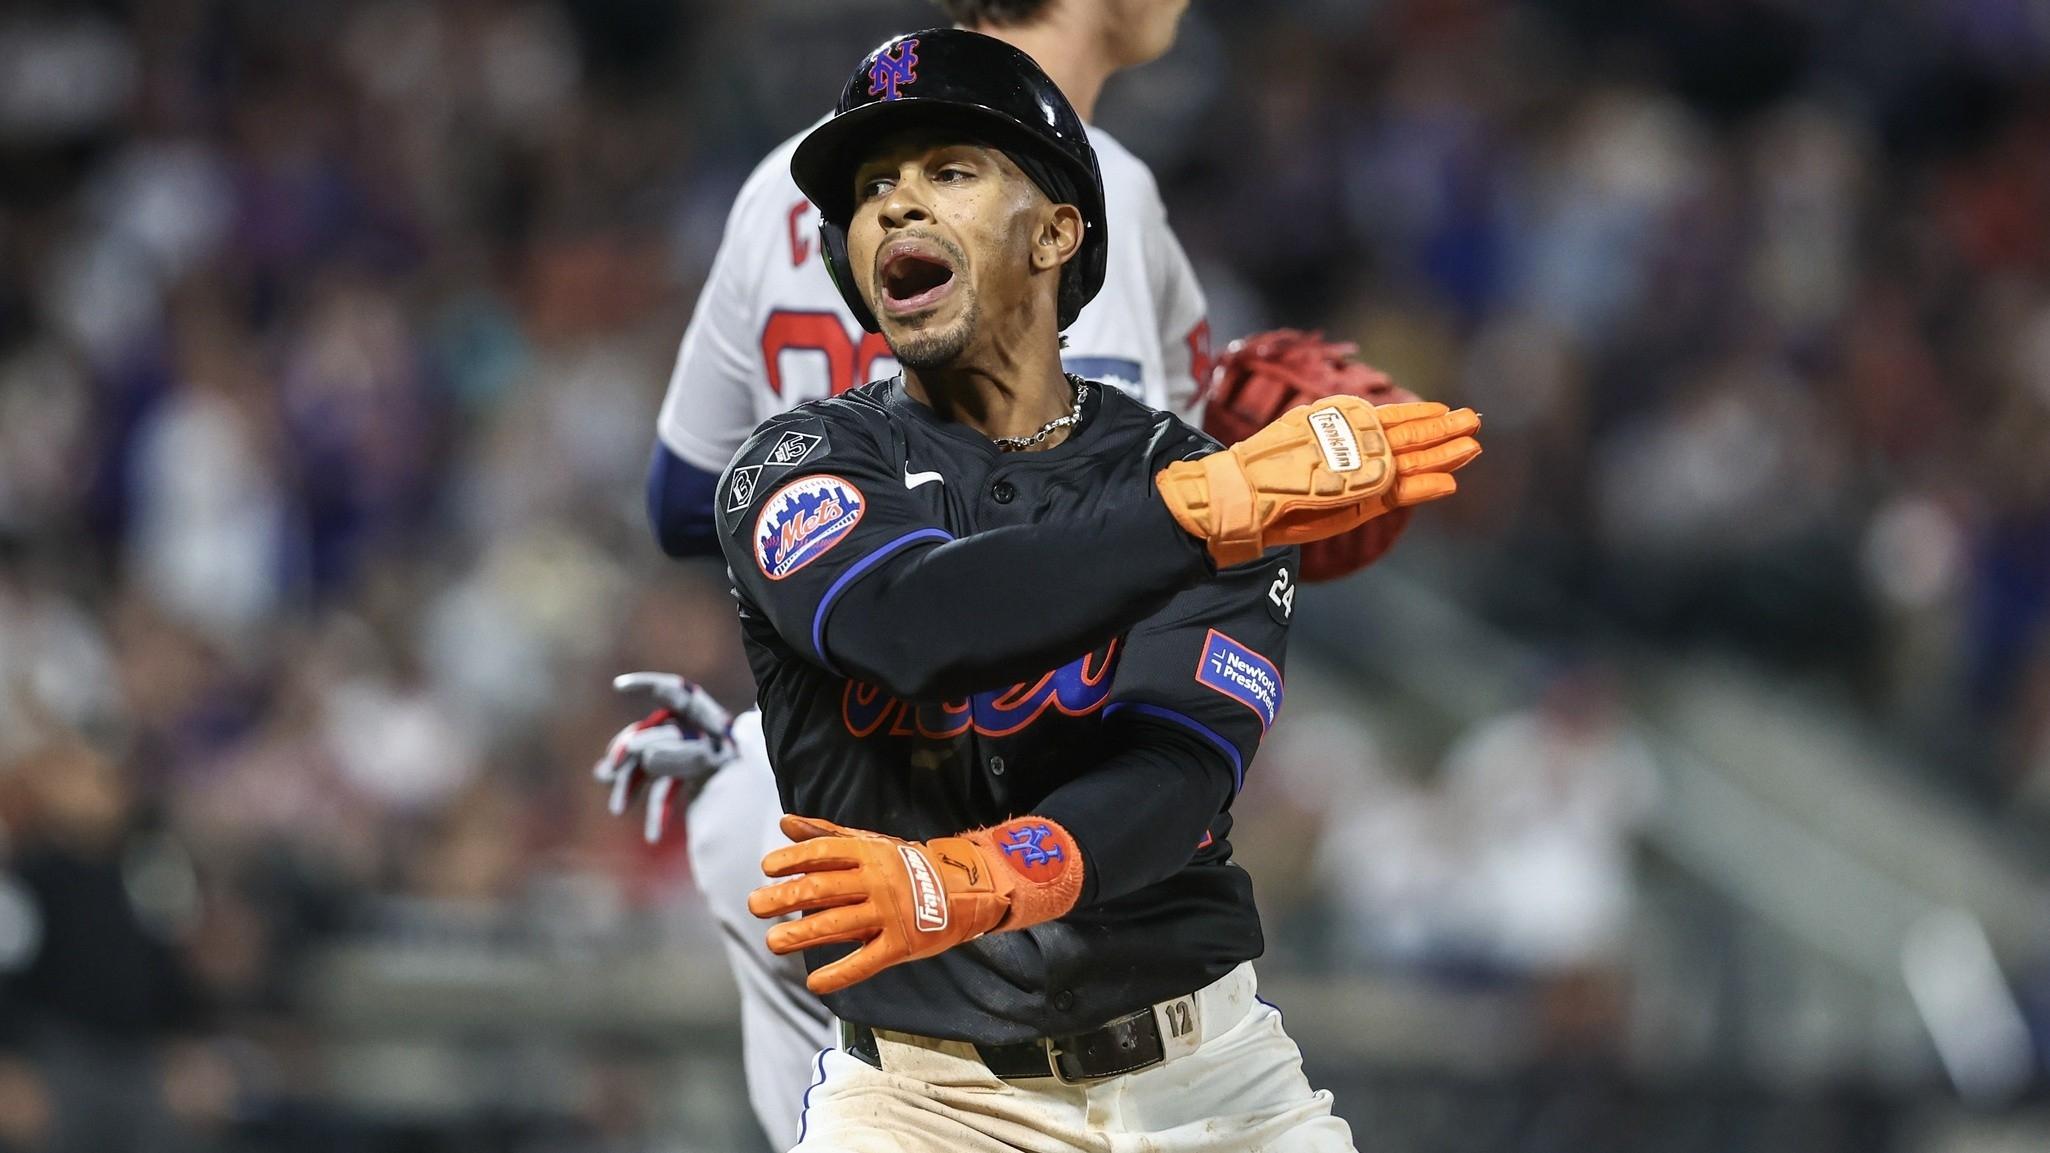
(1015, 642)
(771, 331)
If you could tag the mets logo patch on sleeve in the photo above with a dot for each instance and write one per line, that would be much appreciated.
(804, 519)
(1241, 674)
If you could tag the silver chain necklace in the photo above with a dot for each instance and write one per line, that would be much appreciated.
(1074, 417)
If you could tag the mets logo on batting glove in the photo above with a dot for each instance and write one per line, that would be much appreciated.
(1033, 849)
(803, 520)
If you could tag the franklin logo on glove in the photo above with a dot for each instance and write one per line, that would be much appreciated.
(1334, 436)
(925, 888)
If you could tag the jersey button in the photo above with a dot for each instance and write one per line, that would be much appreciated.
(1063, 1000)
(1003, 492)
(996, 766)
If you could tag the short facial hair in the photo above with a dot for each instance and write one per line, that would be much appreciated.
(936, 349)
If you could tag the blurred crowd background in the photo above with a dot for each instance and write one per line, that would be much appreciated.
(1684, 785)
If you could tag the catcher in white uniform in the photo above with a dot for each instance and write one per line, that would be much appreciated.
(771, 331)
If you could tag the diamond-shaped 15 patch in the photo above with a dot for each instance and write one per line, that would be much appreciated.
(793, 448)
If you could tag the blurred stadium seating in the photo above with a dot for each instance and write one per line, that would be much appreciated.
(1691, 772)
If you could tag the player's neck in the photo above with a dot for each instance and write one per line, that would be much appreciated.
(1069, 49)
(998, 396)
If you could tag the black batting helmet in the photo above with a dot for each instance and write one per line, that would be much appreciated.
(982, 87)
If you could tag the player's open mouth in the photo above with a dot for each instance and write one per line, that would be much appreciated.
(916, 274)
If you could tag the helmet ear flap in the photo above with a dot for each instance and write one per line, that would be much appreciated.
(833, 250)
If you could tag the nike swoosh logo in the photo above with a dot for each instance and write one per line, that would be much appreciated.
(914, 479)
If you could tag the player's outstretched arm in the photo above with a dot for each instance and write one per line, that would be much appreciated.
(854, 574)
(835, 552)
(1320, 470)
(944, 621)
(904, 900)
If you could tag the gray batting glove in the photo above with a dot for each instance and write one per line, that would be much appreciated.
(671, 751)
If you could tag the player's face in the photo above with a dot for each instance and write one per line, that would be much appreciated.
(1141, 30)
(950, 243)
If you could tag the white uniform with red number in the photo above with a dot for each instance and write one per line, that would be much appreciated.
(771, 332)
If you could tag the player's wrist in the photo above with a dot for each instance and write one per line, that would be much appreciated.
(1219, 497)
(1180, 491)
(1034, 865)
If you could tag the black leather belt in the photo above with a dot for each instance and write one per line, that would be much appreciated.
(1126, 1045)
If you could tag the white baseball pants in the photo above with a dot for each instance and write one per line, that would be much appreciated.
(1238, 1087)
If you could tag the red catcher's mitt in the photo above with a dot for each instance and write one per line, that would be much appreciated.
(1262, 376)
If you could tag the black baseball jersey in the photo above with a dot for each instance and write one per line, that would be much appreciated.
(944, 636)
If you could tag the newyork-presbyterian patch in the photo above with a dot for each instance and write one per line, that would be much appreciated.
(803, 520)
(1241, 674)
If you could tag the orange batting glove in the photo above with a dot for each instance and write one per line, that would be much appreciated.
(907, 900)
(1317, 471)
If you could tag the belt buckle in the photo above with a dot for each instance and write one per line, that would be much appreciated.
(1110, 1031)
(1054, 1053)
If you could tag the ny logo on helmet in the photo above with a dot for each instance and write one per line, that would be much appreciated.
(892, 69)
